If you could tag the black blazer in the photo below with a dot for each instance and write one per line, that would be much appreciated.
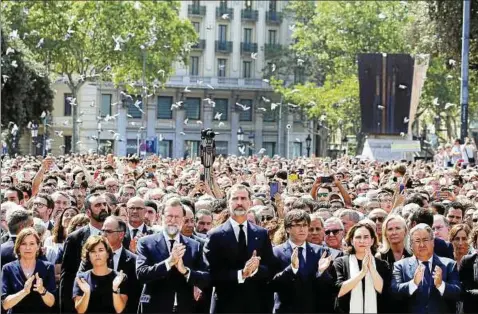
(298, 293)
(126, 263)
(443, 248)
(69, 266)
(161, 285)
(127, 236)
(341, 273)
(221, 251)
(202, 305)
(8, 254)
(469, 283)
(420, 301)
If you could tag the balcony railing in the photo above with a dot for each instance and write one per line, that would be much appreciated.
(223, 46)
(200, 45)
(224, 10)
(248, 47)
(249, 15)
(196, 10)
(216, 81)
(272, 48)
(273, 17)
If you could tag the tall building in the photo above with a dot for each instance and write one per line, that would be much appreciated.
(221, 88)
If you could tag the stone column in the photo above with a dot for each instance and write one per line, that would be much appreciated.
(258, 127)
(122, 123)
(150, 118)
(178, 137)
(208, 115)
(233, 149)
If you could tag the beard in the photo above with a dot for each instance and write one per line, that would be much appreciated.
(172, 230)
(101, 216)
(239, 211)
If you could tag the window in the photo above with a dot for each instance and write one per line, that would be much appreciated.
(270, 148)
(105, 105)
(246, 69)
(67, 104)
(269, 115)
(193, 108)
(164, 107)
(133, 110)
(297, 149)
(67, 143)
(196, 27)
(222, 105)
(196, 3)
(131, 147)
(194, 66)
(223, 4)
(222, 33)
(273, 5)
(246, 115)
(222, 148)
(272, 36)
(192, 149)
(247, 35)
(106, 147)
(221, 71)
(165, 148)
(248, 4)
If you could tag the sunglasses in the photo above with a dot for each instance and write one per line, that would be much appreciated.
(332, 231)
(314, 230)
(377, 219)
(475, 220)
(266, 218)
(322, 194)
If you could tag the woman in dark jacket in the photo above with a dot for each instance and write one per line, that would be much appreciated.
(361, 279)
(469, 276)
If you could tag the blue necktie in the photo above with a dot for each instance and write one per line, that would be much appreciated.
(427, 278)
(302, 271)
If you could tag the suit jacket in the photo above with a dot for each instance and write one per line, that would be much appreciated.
(297, 293)
(420, 301)
(69, 266)
(127, 235)
(224, 261)
(202, 305)
(160, 285)
(126, 263)
(8, 254)
(341, 273)
(469, 283)
(443, 248)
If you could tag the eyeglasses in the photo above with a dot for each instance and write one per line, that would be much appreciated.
(170, 217)
(38, 204)
(318, 229)
(134, 208)
(332, 231)
(377, 219)
(453, 217)
(266, 218)
(110, 231)
(421, 241)
(322, 194)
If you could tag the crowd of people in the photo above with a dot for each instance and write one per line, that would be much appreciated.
(103, 234)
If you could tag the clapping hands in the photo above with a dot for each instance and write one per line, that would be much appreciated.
(251, 265)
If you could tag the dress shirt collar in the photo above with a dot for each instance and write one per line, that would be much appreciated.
(140, 228)
(430, 262)
(235, 224)
(167, 238)
(293, 245)
(118, 251)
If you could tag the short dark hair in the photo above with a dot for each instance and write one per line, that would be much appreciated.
(50, 177)
(88, 200)
(151, 204)
(439, 207)
(422, 215)
(98, 188)
(90, 245)
(350, 235)
(203, 212)
(296, 215)
(415, 198)
(48, 199)
(455, 205)
(219, 205)
(25, 188)
(17, 190)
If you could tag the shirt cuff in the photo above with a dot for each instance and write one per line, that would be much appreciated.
(442, 288)
(412, 287)
(168, 267)
(239, 276)
(294, 270)
(189, 274)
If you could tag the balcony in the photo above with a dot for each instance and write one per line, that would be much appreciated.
(196, 10)
(271, 49)
(200, 45)
(224, 10)
(248, 48)
(273, 17)
(249, 15)
(218, 82)
(223, 46)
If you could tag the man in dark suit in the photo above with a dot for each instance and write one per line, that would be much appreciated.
(97, 211)
(170, 265)
(300, 264)
(114, 230)
(423, 215)
(426, 282)
(17, 219)
(136, 226)
(240, 257)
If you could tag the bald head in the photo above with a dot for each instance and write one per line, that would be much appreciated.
(136, 211)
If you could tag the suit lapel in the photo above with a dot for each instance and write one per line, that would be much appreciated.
(162, 246)
(412, 266)
(230, 237)
(310, 258)
(187, 254)
(252, 239)
(86, 234)
(123, 259)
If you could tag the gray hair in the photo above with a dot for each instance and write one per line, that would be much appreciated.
(315, 216)
(351, 214)
(17, 219)
(445, 221)
(336, 221)
(39, 227)
(419, 227)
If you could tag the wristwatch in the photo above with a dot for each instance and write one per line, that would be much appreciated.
(44, 292)
(187, 272)
(117, 291)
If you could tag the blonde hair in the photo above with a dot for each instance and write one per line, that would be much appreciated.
(78, 220)
(385, 247)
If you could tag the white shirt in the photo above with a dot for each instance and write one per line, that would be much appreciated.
(116, 257)
(94, 231)
(140, 229)
(412, 287)
(293, 246)
(236, 229)
(176, 239)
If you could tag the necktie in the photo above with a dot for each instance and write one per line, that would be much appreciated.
(301, 261)
(427, 278)
(171, 245)
(135, 232)
(242, 245)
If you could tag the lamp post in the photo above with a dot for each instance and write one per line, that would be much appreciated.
(252, 137)
(308, 142)
(45, 135)
(240, 137)
(34, 130)
(98, 135)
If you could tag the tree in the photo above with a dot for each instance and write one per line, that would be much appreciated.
(90, 40)
(25, 94)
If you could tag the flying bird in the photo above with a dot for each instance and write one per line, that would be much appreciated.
(186, 121)
(402, 86)
(218, 116)
(254, 55)
(405, 120)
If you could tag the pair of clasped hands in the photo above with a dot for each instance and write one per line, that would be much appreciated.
(437, 275)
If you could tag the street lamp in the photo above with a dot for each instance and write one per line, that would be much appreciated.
(34, 130)
(240, 137)
(252, 137)
(308, 142)
(98, 130)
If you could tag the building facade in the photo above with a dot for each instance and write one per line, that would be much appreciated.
(225, 69)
